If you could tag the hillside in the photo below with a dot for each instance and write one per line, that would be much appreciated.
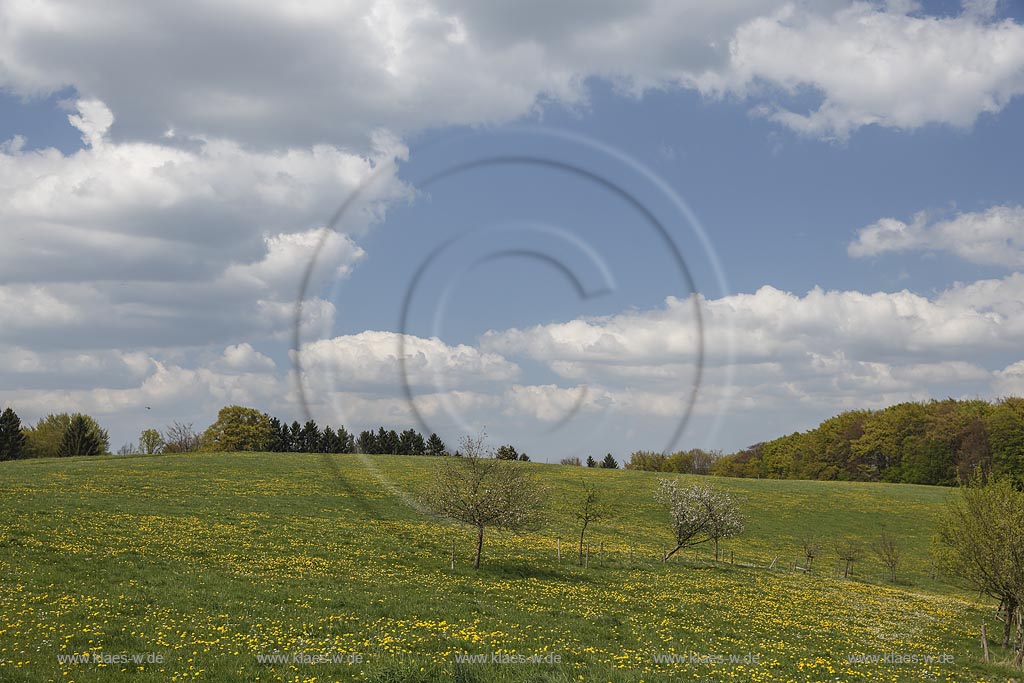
(214, 561)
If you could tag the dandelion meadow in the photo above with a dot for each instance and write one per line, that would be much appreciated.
(298, 567)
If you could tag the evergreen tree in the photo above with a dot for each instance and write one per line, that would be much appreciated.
(610, 463)
(329, 441)
(345, 441)
(295, 437)
(367, 442)
(79, 439)
(523, 457)
(591, 462)
(310, 437)
(276, 444)
(435, 446)
(507, 452)
(12, 438)
(284, 438)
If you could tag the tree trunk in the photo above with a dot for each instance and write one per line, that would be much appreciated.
(583, 531)
(1010, 609)
(671, 553)
(716, 550)
(479, 546)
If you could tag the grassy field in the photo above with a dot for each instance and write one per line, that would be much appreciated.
(204, 564)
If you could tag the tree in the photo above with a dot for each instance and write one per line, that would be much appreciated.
(698, 514)
(127, 449)
(79, 439)
(150, 441)
(410, 442)
(609, 462)
(811, 547)
(980, 540)
(591, 508)
(238, 429)
(482, 491)
(46, 438)
(848, 550)
(887, 549)
(295, 437)
(523, 457)
(13, 444)
(277, 443)
(646, 461)
(591, 462)
(367, 442)
(310, 438)
(507, 452)
(180, 437)
(572, 460)
(435, 446)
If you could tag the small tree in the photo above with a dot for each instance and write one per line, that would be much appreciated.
(13, 444)
(180, 437)
(980, 539)
(591, 508)
(572, 460)
(887, 549)
(610, 462)
(812, 548)
(150, 441)
(507, 452)
(435, 446)
(79, 439)
(591, 462)
(127, 449)
(482, 491)
(698, 514)
(848, 550)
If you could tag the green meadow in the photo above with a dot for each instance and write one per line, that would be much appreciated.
(294, 567)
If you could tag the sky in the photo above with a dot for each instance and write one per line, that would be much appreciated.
(583, 227)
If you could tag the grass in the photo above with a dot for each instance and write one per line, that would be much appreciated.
(208, 561)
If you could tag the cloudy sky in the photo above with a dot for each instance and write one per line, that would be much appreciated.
(587, 226)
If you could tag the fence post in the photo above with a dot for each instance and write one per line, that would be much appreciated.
(984, 642)
(453, 553)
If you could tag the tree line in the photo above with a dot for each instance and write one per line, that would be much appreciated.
(935, 442)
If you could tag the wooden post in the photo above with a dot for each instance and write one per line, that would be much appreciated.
(984, 643)
(453, 553)
(731, 556)
(772, 565)
(559, 551)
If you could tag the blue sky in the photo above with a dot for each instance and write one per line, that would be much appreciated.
(863, 206)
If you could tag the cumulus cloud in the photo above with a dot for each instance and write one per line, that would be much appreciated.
(172, 245)
(370, 360)
(994, 237)
(882, 66)
(299, 75)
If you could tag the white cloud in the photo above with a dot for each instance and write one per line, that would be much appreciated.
(994, 237)
(370, 360)
(281, 75)
(170, 246)
(876, 66)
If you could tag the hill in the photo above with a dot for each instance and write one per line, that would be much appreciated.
(215, 563)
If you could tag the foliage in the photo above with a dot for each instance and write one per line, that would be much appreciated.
(507, 452)
(435, 446)
(591, 462)
(150, 441)
(887, 549)
(46, 438)
(572, 460)
(591, 508)
(79, 439)
(609, 462)
(980, 539)
(13, 444)
(938, 442)
(238, 429)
